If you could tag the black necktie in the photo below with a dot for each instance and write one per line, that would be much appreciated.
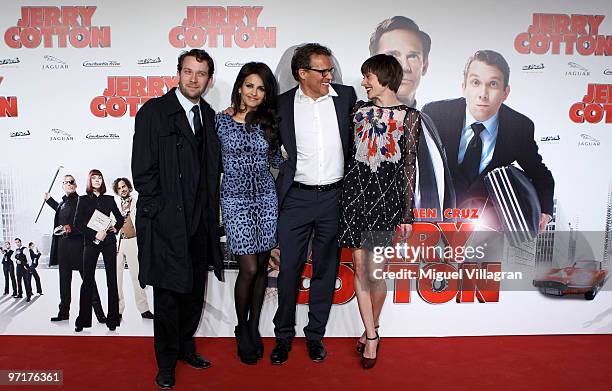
(471, 159)
(197, 124)
(428, 187)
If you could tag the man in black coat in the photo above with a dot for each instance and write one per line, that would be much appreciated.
(504, 135)
(176, 170)
(67, 249)
(8, 269)
(315, 132)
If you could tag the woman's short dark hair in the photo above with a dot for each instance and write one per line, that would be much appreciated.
(265, 114)
(116, 184)
(200, 55)
(301, 57)
(386, 68)
(89, 188)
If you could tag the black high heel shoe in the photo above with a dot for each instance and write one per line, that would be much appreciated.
(368, 363)
(245, 349)
(259, 346)
(360, 345)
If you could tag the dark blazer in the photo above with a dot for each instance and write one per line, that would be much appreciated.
(86, 206)
(178, 192)
(515, 143)
(343, 103)
(68, 202)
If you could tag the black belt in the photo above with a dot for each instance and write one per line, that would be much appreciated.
(331, 186)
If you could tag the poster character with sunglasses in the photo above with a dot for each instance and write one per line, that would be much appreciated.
(67, 249)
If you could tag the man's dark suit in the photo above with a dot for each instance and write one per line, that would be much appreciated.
(300, 213)
(515, 143)
(177, 218)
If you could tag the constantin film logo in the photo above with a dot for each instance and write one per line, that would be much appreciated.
(128, 93)
(575, 69)
(60, 27)
(564, 34)
(234, 64)
(94, 135)
(8, 104)
(60, 135)
(54, 63)
(595, 105)
(222, 27)
(588, 141)
(101, 64)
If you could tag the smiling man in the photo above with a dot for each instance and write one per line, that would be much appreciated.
(402, 38)
(481, 133)
(315, 133)
(175, 166)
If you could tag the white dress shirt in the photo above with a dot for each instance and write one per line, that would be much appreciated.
(187, 106)
(320, 158)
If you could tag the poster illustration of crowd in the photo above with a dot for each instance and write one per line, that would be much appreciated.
(73, 76)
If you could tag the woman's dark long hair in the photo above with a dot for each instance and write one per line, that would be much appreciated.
(265, 115)
(89, 188)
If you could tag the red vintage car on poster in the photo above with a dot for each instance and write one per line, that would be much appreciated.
(583, 277)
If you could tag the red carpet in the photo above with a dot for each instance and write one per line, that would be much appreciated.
(575, 362)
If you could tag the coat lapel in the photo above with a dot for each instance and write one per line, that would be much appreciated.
(286, 110)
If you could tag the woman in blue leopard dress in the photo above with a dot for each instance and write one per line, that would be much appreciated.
(249, 145)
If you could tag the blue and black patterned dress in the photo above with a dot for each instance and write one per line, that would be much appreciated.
(248, 197)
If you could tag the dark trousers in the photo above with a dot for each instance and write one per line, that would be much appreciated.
(304, 212)
(91, 252)
(34, 274)
(177, 316)
(23, 275)
(9, 271)
(70, 255)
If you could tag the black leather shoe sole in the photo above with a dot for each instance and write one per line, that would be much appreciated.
(59, 318)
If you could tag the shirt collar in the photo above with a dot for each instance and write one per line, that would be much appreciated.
(185, 103)
(490, 124)
(303, 98)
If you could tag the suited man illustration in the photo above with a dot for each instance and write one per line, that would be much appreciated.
(480, 133)
(176, 163)
(315, 133)
(401, 38)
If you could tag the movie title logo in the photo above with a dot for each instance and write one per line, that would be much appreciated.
(101, 64)
(8, 104)
(222, 27)
(436, 276)
(588, 141)
(564, 34)
(595, 106)
(149, 61)
(576, 70)
(60, 27)
(125, 94)
(60, 135)
(20, 134)
(54, 63)
(7, 62)
(102, 136)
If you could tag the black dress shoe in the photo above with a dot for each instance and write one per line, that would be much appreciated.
(195, 360)
(19, 296)
(165, 379)
(147, 315)
(59, 318)
(78, 329)
(280, 353)
(316, 351)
